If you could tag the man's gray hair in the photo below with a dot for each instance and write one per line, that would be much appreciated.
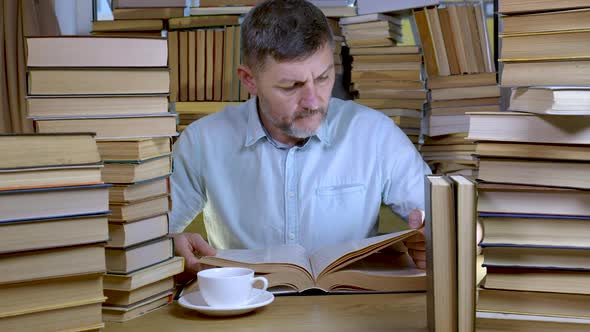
(286, 30)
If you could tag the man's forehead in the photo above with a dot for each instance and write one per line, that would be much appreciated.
(316, 64)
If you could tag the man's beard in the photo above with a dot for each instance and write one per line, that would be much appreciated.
(288, 126)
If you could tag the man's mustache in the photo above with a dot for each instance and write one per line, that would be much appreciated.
(308, 112)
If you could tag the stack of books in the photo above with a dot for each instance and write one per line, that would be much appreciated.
(534, 166)
(133, 128)
(461, 79)
(385, 76)
(53, 226)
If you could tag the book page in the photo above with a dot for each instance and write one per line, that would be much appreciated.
(286, 254)
(339, 255)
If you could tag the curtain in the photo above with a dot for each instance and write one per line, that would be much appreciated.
(19, 18)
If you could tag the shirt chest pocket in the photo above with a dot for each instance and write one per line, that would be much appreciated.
(340, 189)
(345, 200)
(340, 211)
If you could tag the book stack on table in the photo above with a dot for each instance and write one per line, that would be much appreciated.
(116, 87)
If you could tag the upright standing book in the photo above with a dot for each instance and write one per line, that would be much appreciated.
(465, 195)
(441, 261)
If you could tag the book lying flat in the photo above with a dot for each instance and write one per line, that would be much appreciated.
(49, 203)
(563, 72)
(538, 280)
(48, 294)
(150, 125)
(535, 172)
(40, 150)
(533, 151)
(515, 199)
(50, 82)
(51, 263)
(92, 51)
(128, 234)
(50, 176)
(85, 317)
(143, 277)
(534, 303)
(378, 263)
(124, 193)
(52, 233)
(136, 170)
(72, 106)
(551, 100)
(125, 313)
(547, 230)
(128, 298)
(139, 256)
(128, 25)
(134, 149)
(568, 258)
(494, 321)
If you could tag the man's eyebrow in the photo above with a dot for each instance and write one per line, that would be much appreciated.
(290, 80)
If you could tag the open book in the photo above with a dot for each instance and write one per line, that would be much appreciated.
(378, 264)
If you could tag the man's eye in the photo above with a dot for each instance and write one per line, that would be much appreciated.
(322, 78)
(291, 87)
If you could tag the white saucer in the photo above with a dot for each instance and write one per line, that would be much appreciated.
(196, 302)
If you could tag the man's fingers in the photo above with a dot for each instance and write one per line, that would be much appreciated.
(417, 254)
(200, 247)
(416, 245)
(187, 245)
(420, 264)
(415, 238)
(415, 219)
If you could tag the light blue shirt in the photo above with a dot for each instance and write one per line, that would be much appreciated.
(256, 192)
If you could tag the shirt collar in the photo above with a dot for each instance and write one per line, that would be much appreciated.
(255, 131)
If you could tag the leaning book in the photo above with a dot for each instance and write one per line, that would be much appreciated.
(376, 264)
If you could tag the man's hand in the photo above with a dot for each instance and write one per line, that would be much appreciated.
(191, 246)
(417, 243)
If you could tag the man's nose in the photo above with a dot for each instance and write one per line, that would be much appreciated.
(308, 98)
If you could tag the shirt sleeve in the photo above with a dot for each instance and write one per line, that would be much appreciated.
(403, 171)
(186, 181)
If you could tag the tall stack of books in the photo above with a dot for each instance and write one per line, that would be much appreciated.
(534, 164)
(384, 76)
(461, 79)
(53, 226)
(117, 88)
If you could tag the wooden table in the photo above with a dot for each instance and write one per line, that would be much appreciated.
(358, 312)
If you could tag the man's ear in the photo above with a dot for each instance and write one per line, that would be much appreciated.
(245, 75)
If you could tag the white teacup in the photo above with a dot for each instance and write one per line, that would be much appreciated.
(228, 286)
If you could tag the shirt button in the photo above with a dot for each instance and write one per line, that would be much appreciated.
(291, 194)
(291, 236)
